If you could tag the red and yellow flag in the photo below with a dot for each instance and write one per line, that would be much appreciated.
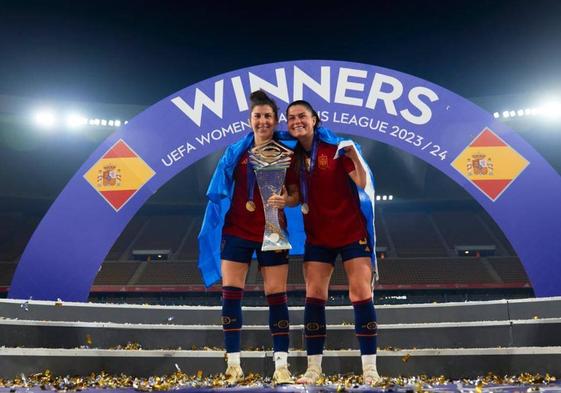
(490, 164)
(119, 174)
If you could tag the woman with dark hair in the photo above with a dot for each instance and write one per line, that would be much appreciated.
(241, 235)
(336, 222)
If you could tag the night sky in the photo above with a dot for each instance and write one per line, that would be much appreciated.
(137, 52)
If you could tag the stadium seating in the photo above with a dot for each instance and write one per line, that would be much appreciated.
(414, 235)
(418, 244)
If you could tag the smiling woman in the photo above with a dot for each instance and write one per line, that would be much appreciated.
(329, 198)
(242, 236)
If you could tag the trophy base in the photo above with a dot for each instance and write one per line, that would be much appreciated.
(275, 242)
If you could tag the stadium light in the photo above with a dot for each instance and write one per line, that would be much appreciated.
(551, 109)
(75, 120)
(384, 198)
(45, 118)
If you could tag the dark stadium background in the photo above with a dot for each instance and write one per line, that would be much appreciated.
(114, 59)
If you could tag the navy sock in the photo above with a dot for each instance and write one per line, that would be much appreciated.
(278, 320)
(366, 328)
(232, 317)
(314, 330)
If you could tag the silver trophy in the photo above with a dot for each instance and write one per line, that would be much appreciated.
(270, 162)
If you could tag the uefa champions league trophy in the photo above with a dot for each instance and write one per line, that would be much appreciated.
(270, 162)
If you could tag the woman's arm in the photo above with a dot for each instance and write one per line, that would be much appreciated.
(359, 174)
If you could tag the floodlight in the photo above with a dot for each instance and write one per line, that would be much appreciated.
(551, 109)
(75, 120)
(45, 118)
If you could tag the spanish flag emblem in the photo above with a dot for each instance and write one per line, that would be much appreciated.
(119, 174)
(490, 164)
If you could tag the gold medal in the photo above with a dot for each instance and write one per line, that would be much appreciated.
(250, 206)
(308, 163)
(305, 208)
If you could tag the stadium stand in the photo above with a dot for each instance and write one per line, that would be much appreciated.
(414, 235)
(7, 270)
(189, 248)
(121, 246)
(509, 269)
(413, 271)
(16, 229)
(116, 273)
(462, 227)
(162, 232)
(169, 273)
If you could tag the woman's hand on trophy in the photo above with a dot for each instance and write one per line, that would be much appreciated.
(278, 201)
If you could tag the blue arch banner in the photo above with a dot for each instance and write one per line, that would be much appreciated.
(516, 186)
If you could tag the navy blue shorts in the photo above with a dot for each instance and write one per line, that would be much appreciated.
(240, 250)
(329, 255)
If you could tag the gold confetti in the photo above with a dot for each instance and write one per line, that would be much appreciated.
(341, 382)
(479, 387)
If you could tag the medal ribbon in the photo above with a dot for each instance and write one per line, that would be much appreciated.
(304, 173)
(250, 180)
